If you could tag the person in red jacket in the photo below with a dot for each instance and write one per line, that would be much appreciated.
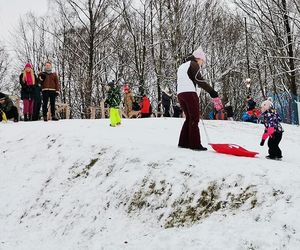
(145, 107)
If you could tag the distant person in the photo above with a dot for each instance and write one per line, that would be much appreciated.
(28, 81)
(145, 107)
(7, 109)
(50, 90)
(229, 111)
(251, 104)
(188, 78)
(177, 111)
(113, 100)
(166, 101)
(128, 100)
(37, 101)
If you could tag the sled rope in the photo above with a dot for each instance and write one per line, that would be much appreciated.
(205, 131)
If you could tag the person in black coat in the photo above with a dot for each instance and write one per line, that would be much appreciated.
(250, 103)
(229, 111)
(166, 101)
(37, 101)
(28, 81)
(7, 106)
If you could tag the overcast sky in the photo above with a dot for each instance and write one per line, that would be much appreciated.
(12, 10)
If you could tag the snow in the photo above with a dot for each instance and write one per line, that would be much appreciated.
(80, 184)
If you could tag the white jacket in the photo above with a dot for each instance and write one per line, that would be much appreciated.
(184, 83)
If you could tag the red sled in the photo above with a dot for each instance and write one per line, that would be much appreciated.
(232, 149)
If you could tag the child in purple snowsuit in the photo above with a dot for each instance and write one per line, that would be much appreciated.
(273, 130)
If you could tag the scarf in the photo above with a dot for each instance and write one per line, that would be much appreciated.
(28, 78)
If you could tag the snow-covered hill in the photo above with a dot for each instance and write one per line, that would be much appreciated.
(80, 184)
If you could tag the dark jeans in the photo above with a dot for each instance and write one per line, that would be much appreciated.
(36, 110)
(37, 102)
(49, 94)
(167, 111)
(273, 144)
(190, 134)
(12, 114)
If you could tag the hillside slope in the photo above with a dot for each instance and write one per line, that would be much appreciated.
(80, 184)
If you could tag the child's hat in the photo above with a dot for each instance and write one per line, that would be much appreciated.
(266, 105)
(126, 88)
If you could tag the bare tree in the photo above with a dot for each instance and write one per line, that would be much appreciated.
(3, 68)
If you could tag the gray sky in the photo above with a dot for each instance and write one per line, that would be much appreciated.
(12, 10)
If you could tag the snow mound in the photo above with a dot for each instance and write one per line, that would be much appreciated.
(80, 184)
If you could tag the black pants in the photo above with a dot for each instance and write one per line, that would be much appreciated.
(167, 111)
(36, 110)
(273, 144)
(12, 114)
(49, 94)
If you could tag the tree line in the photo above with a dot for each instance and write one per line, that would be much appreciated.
(142, 43)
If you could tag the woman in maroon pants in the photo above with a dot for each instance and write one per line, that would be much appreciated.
(188, 77)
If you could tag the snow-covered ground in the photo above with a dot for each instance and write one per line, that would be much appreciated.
(80, 184)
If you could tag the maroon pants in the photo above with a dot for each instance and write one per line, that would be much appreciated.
(190, 134)
(28, 106)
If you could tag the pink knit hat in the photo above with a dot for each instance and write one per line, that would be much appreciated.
(28, 65)
(199, 54)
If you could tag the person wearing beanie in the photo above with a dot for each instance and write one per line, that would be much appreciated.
(7, 109)
(27, 81)
(113, 100)
(50, 90)
(273, 130)
(188, 78)
(128, 100)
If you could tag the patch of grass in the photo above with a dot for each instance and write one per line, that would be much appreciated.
(187, 211)
(85, 172)
(148, 190)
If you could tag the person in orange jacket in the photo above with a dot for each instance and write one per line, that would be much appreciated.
(145, 107)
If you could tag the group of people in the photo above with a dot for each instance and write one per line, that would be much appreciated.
(136, 107)
(188, 79)
(133, 108)
(252, 114)
(45, 86)
(35, 90)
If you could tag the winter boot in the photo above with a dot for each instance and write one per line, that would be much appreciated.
(271, 157)
(201, 148)
(25, 117)
(45, 119)
(54, 118)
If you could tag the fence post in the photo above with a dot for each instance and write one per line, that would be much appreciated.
(298, 113)
(102, 109)
(93, 112)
